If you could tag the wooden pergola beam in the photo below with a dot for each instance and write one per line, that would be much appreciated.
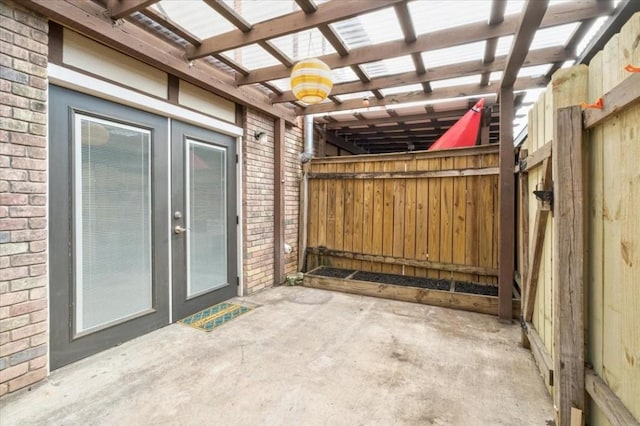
(562, 13)
(497, 16)
(396, 118)
(530, 21)
(88, 18)
(171, 26)
(462, 69)
(437, 94)
(325, 13)
(121, 8)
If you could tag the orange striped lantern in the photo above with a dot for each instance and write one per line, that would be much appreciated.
(311, 81)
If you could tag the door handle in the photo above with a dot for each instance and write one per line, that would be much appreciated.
(179, 229)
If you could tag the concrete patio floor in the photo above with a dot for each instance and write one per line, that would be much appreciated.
(303, 357)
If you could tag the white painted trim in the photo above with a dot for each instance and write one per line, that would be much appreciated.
(75, 80)
(170, 211)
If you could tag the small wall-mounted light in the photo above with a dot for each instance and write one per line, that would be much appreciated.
(365, 102)
(258, 135)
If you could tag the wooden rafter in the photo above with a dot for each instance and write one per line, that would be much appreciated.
(438, 94)
(399, 118)
(326, 13)
(497, 16)
(171, 26)
(462, 69)
(559, 14)
(530, 21)
(404, 17)
(121, 8)
(243, 25)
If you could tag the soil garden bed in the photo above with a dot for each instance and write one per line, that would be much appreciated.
(476, 297)
(408, 281)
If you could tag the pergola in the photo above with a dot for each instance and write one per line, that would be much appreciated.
(419, 64)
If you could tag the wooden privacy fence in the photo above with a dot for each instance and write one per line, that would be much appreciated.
(579, 255)
(424, 214)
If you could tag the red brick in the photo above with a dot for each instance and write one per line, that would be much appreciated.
(39, 362)
(37, 246)
(37, 176)
(37, 270)
(14, 199)
(37, 223)
(38, 316)
(13, 322)
(10, 174)
(30, 140)
(15, 273)
(28, 164)
(27, 211)
(38, 293)
(13, 372)
(28, 187)
(38, 339)
(37, 200)
(28, 331)
(27, 379)
(13, 298)
(12, 224)
(28, 235)
(28, 259)
(35, 152)
(4, 389)
(13, 347)
(26, 307)
(6, 336)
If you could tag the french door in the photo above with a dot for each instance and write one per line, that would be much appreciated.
(203, 218)
(118, 220)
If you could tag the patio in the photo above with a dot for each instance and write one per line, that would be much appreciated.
(333, 358)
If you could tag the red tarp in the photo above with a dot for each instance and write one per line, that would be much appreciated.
(464, 132)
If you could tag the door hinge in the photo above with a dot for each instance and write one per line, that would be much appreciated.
(236, 158)
(237, 220)
(238, 281)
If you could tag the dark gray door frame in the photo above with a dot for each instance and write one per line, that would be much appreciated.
(63, 104)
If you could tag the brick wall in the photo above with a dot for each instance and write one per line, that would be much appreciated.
(23, 189)
(258, 200)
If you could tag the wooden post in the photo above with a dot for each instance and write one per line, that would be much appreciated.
(568, 271)
(278, 200)
(303, 221)
(507, 205)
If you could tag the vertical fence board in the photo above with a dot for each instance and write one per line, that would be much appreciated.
(378, 218)
(472, 217)
(409, 236)
(434, 218)
(459, 219)
(358, 214)
(399, 195)
(422, 218)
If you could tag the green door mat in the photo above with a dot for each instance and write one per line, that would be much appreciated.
(214, 316)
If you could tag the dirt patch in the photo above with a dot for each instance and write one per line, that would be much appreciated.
(404, 280)
(333, 272)
(485, 290)
(409, 281)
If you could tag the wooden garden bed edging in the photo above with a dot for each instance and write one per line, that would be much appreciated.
(446, 299)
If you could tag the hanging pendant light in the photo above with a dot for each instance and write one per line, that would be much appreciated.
(311, 81)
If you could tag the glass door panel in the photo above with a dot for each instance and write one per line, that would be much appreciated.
(206, 181)
(113, 239)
